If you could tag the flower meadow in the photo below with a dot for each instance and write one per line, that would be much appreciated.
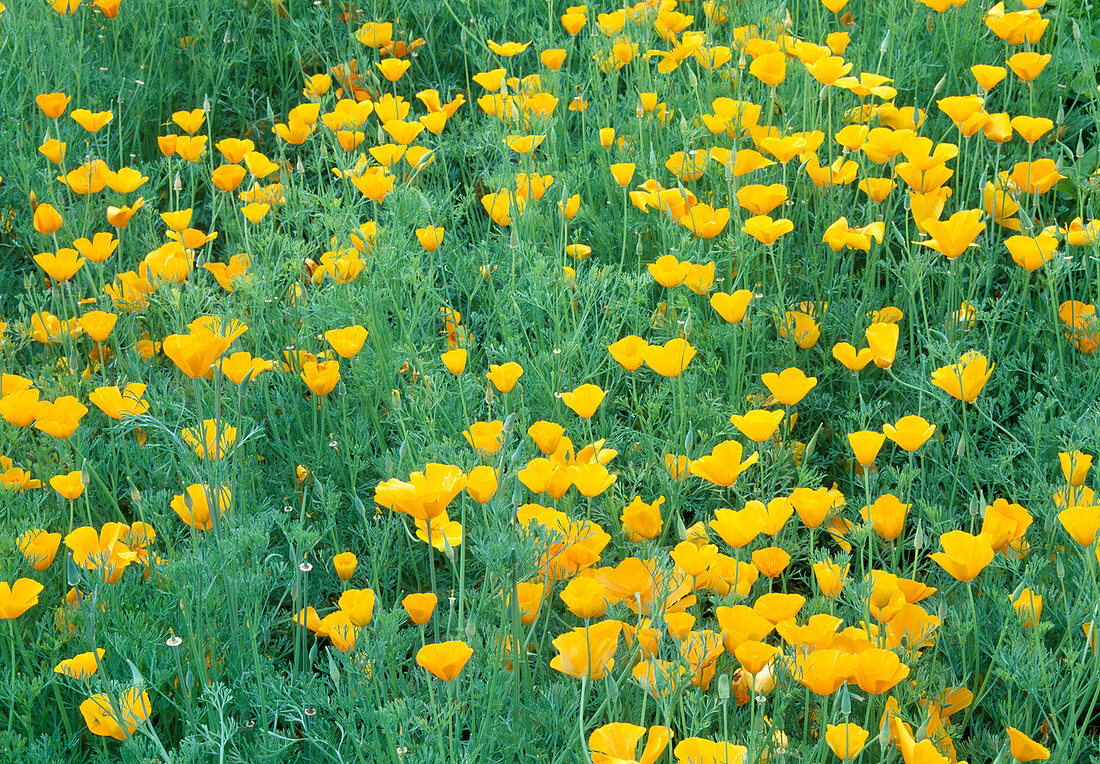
(683, 381)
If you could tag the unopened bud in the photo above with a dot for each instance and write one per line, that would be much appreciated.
(922, 731)
(884, 731)
(975, 506)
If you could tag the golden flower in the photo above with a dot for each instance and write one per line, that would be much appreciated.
(81, 666)
(485, 437)
(39, 547)
(445, 660)
(211, 440)
(321, 377)
(120, 719)
(965, 379)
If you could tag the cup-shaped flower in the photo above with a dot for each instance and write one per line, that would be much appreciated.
(1075, 466)
(358, 604)
(882, 340)
(584, 400)
(485, 437)
(789, 386)
(642, 521)
(420, 607)
(767, 230)
(771, 561)
(61, 265)
(59, 418)
(964, 380)
(813, 504)
(759, 424)
(668, 271)
(670, 359)
(547, 435)
(845, 740)
(740, 624)
(964, 556)
(830, 577)
(345, 563)
(97, 324)
(504, 376)
(53, 105)
(48, 220)
(481, 483)
(771, 69)
(877, 670)
(321, 377)
(629, 352)
(102, 551)
(529, 600)
(622, 172)
(193, 505)
(80, 666)
(337, 626)
(70, 485)
(1023, 748)
(117, 720)
(953, 236)
(445, 659)
(723, 465)
(887, 516)
(592, 479)
(425, 495)
(586, 597)
(617, 743)
(587, 651)
(1082, 523)
(866, 445)
(1031, 252)
(739, 527)
(910, 432)
(39, 547)
(210, 440)
(754, 656)
(1029, 607)
(1028, 65)
(242, 365)
(19, 407)
(824, 671)
(731, 307)
(854, 361)
(693, 560)
(455, 360)
(347, 342)
(195, 352)
(18, 598)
